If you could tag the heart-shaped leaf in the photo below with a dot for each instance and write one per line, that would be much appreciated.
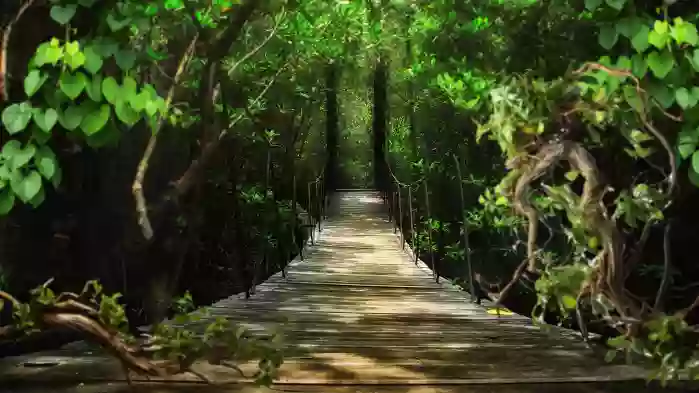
(21, 157)
(93, 60)
(71, 118)
(72, 84)
(661, 63)
(94, 88)
(125, 59)
(111, 90)
(95, 120)
(640, 39)
(16, 117)
(9, 149)
(608, 37)
(117, 24)
(33, 82)
(63, 14)
(46, 163)
(28, 187)
(140, 100)
(46, 120)
(126, 114)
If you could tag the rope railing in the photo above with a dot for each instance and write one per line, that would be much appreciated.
(316, 199)
(393, 197)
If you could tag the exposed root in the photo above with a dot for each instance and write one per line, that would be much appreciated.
(609, 275)
(70, 312)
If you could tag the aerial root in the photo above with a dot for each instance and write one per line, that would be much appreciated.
(609, 273)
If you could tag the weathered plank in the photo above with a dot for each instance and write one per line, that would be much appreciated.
(358, 310)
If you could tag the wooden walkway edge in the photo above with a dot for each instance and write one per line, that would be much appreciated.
(357, 311)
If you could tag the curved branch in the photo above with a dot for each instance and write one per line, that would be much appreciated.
(667, 274)
(137, 186)
(4, 47)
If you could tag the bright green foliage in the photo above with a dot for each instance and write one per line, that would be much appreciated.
(65, 89)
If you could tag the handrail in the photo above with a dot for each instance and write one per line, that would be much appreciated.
(316, 205)
(392, 198)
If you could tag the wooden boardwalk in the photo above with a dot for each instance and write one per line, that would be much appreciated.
(358, 311)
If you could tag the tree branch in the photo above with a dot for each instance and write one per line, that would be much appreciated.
(6, 33)
(137, 186)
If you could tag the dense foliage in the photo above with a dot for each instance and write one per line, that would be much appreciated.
(548, 148)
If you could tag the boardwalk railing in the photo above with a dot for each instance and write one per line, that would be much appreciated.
(393, 197)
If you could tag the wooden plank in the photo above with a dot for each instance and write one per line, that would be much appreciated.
(189, 387)
(346, 369)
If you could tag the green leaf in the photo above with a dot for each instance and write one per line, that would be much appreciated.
(687, 142)
(624, 63)
(618, 342)
(71, 118)
(639, 67)
(129, 87)
(111, 90)
(640, 39)
(47, 54)
(633, 99)
(694, 59)
(38, 198)
(695, 161)
(105, 46)
(9, 149)
(72, 47)
(685, 33)
(94, 88)
(139, 101)
(57, 177)
(22, 156)
(125, 59)
(7, 201)
(660, 63)
(569, 302)
(608, 37)
(46, 163)
(16, 117)
(662, 93)
(93, 60)
(629, 26)
(684, 98)
(28, 187)
(46, 119)
(592, 5)
(95, 120)
(151, 108)
(126, 114)
(33, 82)
(658, 40)
(63, 14)
(40, 136)
(72, 84)
(616, 4)
(116, 25)
(75, 60)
